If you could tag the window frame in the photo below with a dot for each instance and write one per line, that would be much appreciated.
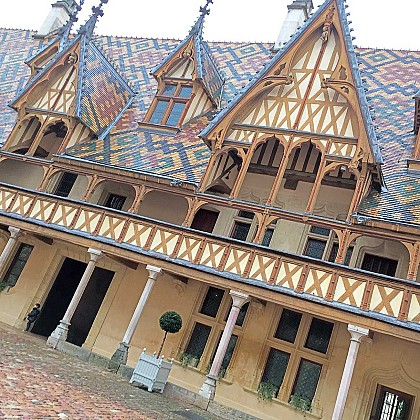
(217, 325)
(171, 99)
(12, 262)
(297, 351)
(330, 240)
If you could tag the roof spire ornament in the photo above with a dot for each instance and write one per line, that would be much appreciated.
(64, 32)
(97, 12)
(204, 11)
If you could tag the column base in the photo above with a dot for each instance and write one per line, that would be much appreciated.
(121, 354)
(59, 334)
(208, 389)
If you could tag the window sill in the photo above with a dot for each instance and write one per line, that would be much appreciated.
(159, 128)
(315, 414)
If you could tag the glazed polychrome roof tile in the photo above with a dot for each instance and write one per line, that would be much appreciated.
(392, 79)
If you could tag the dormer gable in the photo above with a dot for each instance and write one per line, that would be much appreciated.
(303, 119)
(78, 89)
(189, 82)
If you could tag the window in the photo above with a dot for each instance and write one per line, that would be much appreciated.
(115, 201)
(242, 226)
(296, 355)
(170, 104)
(381, 265)
(209, 321)
(18, 264)
(322, 243)
(319, 335)
(390, 404)
(65, 184)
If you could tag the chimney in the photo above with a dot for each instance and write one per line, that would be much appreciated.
(298, 12)
(59, 15)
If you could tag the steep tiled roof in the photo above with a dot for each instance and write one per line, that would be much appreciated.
(392, 78)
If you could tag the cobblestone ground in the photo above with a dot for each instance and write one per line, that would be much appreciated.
(40, 383)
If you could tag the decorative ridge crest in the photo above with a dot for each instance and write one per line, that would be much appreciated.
(88, 28)
(197, 29)
(64, 32)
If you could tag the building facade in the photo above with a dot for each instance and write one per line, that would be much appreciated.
(269, 195)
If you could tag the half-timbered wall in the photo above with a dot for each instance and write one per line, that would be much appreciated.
(199, 105)
(24, 134)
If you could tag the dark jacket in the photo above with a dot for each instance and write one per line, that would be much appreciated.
(33, 315)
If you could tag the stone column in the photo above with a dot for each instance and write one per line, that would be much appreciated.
(60, 333)
(10, 246)
(208, 388)
(121, 354)
(357, 334)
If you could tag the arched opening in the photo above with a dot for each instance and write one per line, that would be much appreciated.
(301, 171)
(21, 174)
(262, 171)
(114, 195)
(68, 184)
(382, 256)
(164, 206)
(336, 191)
(51, 140)
(24, 135)
(224, 172)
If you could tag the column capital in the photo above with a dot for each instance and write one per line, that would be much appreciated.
(14, 232)
(153, 271)
(238, 298)
(95, 254)
(357, 333)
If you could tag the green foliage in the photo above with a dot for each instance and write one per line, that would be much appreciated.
(300, 403)
(267, 391)
(170, 322)
(187, 359)
(3, 285)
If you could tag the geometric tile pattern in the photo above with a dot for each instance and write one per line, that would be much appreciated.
(104, 93)
(392, 78)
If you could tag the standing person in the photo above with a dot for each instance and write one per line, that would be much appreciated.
(32, 316)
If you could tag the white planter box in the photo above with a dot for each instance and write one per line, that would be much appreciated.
(151, 372)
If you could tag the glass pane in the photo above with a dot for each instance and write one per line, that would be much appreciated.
(198, 340)
(288, 326)
(392, 405)
(185, 92)
(349, 253)
(240, 231)
(66, 184)
(175, 114)
(241, 316)
(315, 248)
(334, 252)
(169, 90)
(246, 214)
(319, 335)
(380, 265)
(275, 367)
(212, 302)
(18, 264)
(115, 201)
(268, 235)
(160, 109)
(320, 230)
(228, 355)
(307, 380)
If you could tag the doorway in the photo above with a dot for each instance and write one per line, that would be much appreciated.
(61, 294)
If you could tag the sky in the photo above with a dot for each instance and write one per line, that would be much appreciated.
(376, 23)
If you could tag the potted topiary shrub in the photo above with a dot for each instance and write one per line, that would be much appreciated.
(152, 371)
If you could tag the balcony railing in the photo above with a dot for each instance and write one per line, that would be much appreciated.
(370, 293)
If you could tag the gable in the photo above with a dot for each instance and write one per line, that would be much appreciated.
(310, 87)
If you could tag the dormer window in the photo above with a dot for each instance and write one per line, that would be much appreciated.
(170, 103)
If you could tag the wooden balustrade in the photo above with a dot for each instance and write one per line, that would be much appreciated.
(396, 299)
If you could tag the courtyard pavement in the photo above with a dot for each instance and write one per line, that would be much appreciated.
(37, 382)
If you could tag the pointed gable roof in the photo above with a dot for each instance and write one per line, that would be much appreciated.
(102, 94)
(271, 65)
(206, 68)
